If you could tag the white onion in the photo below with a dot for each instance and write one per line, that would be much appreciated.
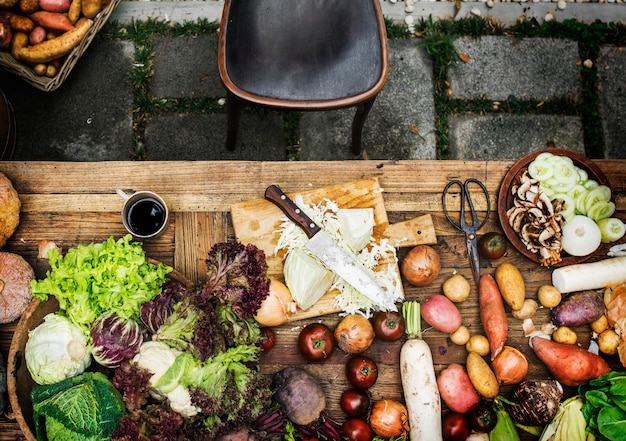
(581, 236)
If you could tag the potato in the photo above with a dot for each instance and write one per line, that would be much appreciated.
(456, 288)
(608, 341)
(599, 325)
(455, 388)
(564, 335)
(55, 5)
(90, 8)
(548, 296)
(18, 42)
(529, 307)
(461, 336)
(21, 24)
(29, 6)
(479, 344)
(482, 377)
(511, 285)
(440, 313)
(37, 35)
(579, 308)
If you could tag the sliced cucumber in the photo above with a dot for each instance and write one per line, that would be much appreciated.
(612, 229)
(601, 210)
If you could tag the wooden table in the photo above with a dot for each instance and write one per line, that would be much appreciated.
(72, 203)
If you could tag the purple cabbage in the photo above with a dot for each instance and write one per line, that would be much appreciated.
(115, 339)
(153, 313)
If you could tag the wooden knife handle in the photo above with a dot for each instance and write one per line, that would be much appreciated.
(293, 212)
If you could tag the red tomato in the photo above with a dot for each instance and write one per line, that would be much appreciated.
(267, 339)
(455, 427)
(316, 342)
(357, 429)
(355, 402)
(389, 326)
(310, 438)
(361, 371)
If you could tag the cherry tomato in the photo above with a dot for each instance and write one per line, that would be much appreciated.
(355, 402)
(389, 326)
(357, 429)
(455, 427)
(268, 339)
(361, 371)
(481, 417)
(492, 245)
(316, 342)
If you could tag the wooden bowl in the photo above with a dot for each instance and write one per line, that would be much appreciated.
(19, 381)
(505, 199)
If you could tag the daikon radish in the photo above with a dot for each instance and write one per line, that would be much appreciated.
(419, 383)
(596, 275)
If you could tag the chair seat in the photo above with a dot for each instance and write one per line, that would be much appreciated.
(303, 53)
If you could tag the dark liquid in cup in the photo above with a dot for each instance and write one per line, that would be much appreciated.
(146, 216)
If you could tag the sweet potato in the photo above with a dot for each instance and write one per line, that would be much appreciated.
(570, 364)
(90, 8)
(578, 308)
(53, 21)
(456, 389)
(482, 377)
(492, 314)
(55, 5)
(511, 285)
(21, 23)
(58, 46)
(440, 313)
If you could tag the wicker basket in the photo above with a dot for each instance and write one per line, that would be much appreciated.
(48, 84)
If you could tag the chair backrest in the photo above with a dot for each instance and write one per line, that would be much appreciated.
(303, 51)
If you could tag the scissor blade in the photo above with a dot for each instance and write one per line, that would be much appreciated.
(474, 257)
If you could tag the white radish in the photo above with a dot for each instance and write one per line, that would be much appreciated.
(582, 276)
(419, 383)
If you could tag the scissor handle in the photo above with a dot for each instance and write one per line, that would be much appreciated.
(465, 194)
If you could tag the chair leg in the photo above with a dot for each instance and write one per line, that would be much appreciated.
(233, 109)
(362, 110)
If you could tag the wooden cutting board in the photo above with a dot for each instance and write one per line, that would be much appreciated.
(258, 222)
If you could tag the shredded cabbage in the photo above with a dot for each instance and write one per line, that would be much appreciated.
(377, 256)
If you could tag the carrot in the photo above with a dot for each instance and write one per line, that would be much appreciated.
(58, 46)
(53, 21)
(492, 314)
(571, 365)
(419, 382)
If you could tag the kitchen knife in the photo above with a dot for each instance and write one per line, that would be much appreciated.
(330, 253)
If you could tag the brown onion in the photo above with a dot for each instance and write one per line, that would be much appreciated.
(510, 366)
(421, 265)
(277, 306)
(354, 334)
(389, 418)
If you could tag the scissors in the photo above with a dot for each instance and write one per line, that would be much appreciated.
(469, 229)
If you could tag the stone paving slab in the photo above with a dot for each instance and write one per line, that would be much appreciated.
(498, 66)
(612, 95)
(505, 136)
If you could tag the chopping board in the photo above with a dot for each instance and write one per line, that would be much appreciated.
(259, 221)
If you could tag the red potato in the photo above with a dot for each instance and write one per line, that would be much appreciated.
(55, 5)
(440, 313)
(571, 365)
(37, 35)
(492, 314)
(53, 21)
(456, 389)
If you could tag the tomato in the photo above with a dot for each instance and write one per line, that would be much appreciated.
(311, 438)
(455, 427)
(268, 339)
(357, 429)
(361, 371)
(355, 402)
(481, 417)
(389, 326)
(316, 342)
(492, 245)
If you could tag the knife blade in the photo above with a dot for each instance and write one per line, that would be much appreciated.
(329, 252)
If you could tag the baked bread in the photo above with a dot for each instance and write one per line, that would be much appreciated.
(15, 290)
(9, 209)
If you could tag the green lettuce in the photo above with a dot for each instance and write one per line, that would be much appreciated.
(108, 276)
(83, 408)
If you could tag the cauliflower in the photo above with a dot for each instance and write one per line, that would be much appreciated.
(157, 358)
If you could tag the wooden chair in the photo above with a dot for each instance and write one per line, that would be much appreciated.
(302, 55)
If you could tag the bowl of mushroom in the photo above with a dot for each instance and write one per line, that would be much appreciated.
(539, 193)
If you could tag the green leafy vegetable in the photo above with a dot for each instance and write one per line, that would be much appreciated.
(108, 276)
(82, 408)
(604, 406)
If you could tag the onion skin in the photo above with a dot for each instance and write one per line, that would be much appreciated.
(277, 306)
(421, 265)
(510, 366)
(354, 334)
(389, 418)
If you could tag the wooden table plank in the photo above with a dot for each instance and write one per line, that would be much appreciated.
(74, 203)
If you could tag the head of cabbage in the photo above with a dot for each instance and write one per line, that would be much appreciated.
(56, 349)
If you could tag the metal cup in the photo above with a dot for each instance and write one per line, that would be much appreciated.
(144, 214)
